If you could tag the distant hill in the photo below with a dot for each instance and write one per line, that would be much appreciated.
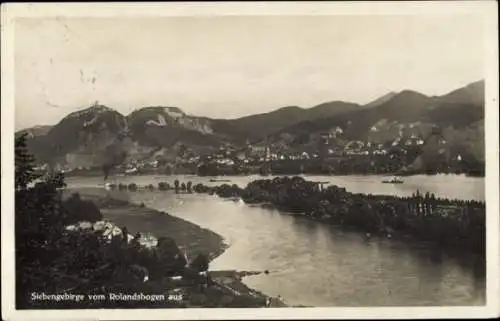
(35, 131)
(169, 129)
(99, 134)
(356, 124)
(466, 143)
(164, 126)
(96, 135)
(454, 109)
(472, 94)
(81, 137)
(259, 126)
(396, 118)
(381, 100)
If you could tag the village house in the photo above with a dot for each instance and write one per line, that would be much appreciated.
(380, 152)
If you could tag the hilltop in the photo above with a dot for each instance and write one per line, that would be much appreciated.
(100, 135)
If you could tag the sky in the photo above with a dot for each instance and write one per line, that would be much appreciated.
(233, 66)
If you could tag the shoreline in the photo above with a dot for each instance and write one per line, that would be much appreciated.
(99, 173)
(232, 280)
(323, 208)
(188, 236)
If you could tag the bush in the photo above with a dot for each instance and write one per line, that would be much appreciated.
(170, 259)
(77, 210)
(200, 263)
(163, 186)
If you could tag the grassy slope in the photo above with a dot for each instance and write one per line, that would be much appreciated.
(228, 290)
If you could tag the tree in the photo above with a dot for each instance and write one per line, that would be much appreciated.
(57, 180)
(125, 234)
(24, 164)
(38, 223)
(163, 186)
(182, 150)
(77, 210)
(56, 259)
(433, 202)
(200, 263)
(170, 259)
(207, 169)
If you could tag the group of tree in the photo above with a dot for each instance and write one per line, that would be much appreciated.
(52, 258)
(450, 224)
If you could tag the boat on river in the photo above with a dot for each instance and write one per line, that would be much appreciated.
(213, 180)
(393, 180)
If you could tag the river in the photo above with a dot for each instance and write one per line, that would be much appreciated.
(314, 264)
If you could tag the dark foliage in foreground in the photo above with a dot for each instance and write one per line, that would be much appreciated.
(200, 263)
(53, 259)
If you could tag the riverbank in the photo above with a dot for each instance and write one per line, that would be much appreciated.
(447, 224)
(190, 238)
(226, 289)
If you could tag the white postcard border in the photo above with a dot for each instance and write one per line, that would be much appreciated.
(488, 9)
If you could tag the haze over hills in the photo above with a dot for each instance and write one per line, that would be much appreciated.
(97, 134)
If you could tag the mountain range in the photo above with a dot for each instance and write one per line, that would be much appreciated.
(97, 134)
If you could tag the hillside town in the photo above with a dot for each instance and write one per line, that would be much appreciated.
(327, 157)
(330, 138)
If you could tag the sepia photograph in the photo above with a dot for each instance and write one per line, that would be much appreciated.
(230, 160)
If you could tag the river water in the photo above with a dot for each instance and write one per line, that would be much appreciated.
(314, 264)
